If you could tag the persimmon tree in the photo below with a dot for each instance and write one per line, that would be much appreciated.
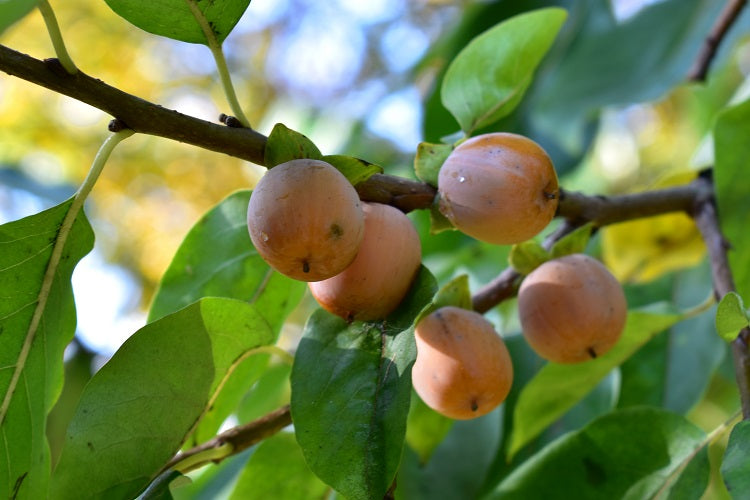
(617, 425)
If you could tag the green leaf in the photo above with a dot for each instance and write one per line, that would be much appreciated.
(527, 256)
(731, 151)
(428, 160)
(735, 469)
(270, 391)
(454, 293)
(284, 144)
(629, 454)
(12, 11)
(573, 242)
(176, 20)
(731, 316)
(233, 269)
(351, 387)
(488, 78)
(157, 385)
(556, 388)
(277, 469)
(438, 221)
(354, 169)
(37, 321)
(425, 428)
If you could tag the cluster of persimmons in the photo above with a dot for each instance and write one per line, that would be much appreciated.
(360, 259)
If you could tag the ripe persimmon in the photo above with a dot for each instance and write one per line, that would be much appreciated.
(572, 309)
(463, 369)
(500, 188)
(375, 283)
(305, 219)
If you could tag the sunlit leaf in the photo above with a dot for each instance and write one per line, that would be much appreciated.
(735, 468)
(731, 316)
(488, 78)
(176, 20)
(632, 454)
(429, 159)
(277, 469)
(354, 169)
(454, 293)
(285, 144)
(13, 10)
(351, 387)
(139, 408)
(527, 256)
(557, 387)
(33, 338)
(574, 242)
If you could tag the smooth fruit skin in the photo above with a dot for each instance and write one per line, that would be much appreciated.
(571, 309)
(305, 219)
(463, 369)
(375, 283)
(500, 188)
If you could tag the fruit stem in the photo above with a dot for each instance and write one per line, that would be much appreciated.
(56, 36)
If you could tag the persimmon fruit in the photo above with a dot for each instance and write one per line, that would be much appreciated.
(572, 309)
(463, 369)
(380, 276)
(499, 188)
(305, 219)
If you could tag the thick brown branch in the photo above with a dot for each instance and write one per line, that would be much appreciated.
(239, 438)
(707, 221)
(728, 16)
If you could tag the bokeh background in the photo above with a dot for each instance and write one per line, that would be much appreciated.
(361, 78)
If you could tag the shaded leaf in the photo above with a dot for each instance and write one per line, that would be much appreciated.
(277, 469)
(14, 10)
(735, 469)
(285, 144)
(32, 347)
(731, 151)
(351, 388)
(354, 169)
(428, 160)
(630, 454)
(527, 256)
(731, 316)
(488, 78)
(556, 387)
(139, 408)
(425, 428)
(160, 488)
(176, 20)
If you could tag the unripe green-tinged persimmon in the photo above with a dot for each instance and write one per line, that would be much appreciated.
(500, 188)
(375, 283)
(305, 219)
(463, 369)
(571, 309)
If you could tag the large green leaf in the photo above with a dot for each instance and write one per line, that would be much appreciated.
(182, 19)
(37, 321)
(351, 386)
(556, 388)
(488, 78)
(731, 152)
(735, 469)
(631, 454)
(13, 10)
(217, 259)
(277, 469)
(140, 407)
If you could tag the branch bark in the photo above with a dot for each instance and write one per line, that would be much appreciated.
(728, 16)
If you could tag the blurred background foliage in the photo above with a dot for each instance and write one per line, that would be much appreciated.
(610, 104)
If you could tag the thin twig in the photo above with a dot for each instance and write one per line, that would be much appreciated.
(728, 16)
(232, 441)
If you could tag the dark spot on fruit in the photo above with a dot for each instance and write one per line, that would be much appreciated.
(474, 405)
(336, 231)
(591, 352)
(305, 266)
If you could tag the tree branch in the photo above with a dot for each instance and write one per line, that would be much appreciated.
(706, 218)
(728, 16)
